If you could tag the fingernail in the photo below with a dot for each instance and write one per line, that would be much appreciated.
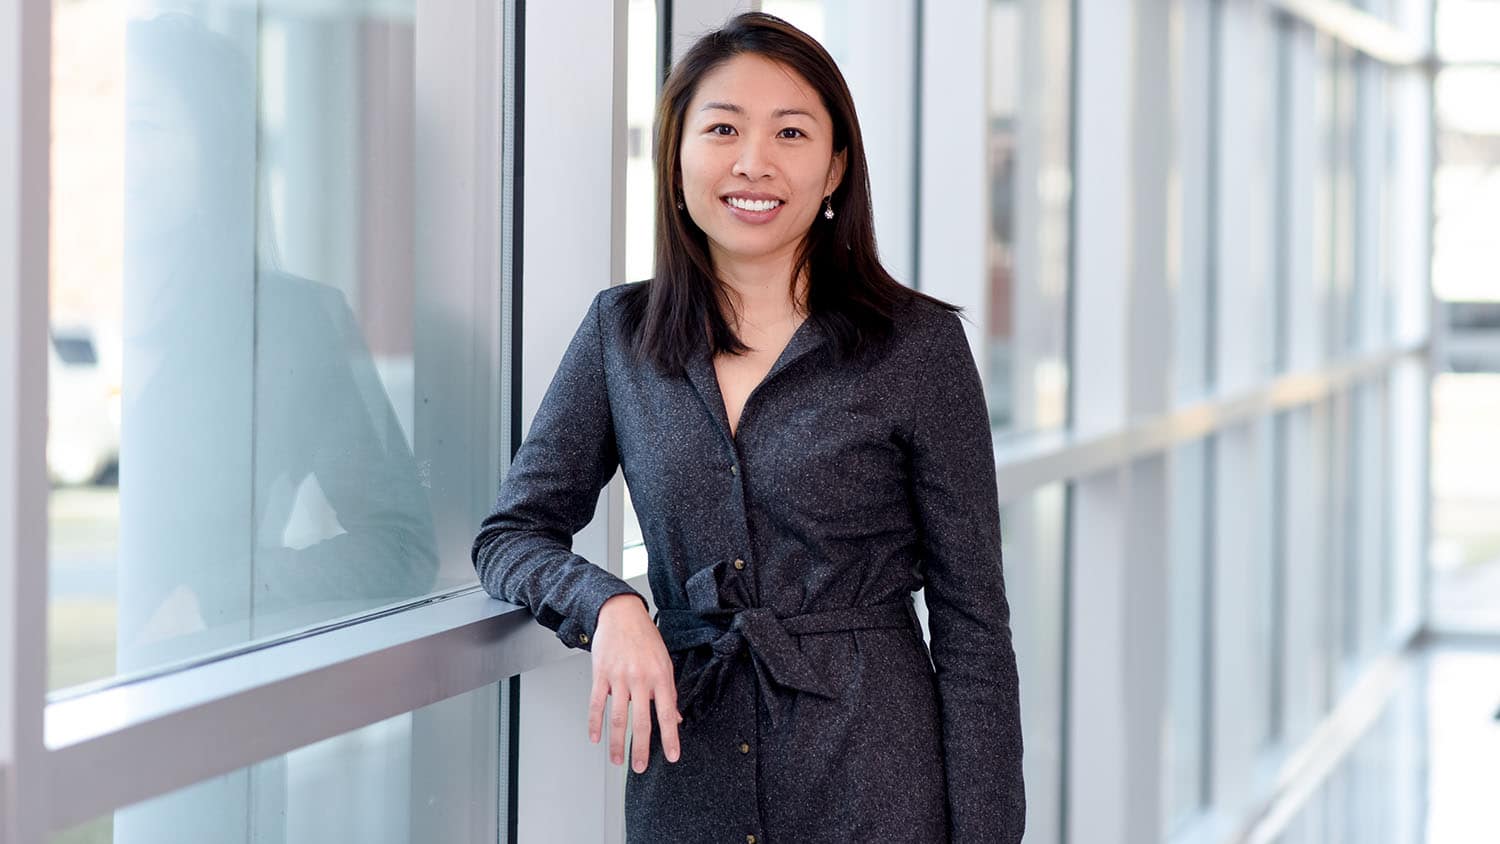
(672, 756)
(640, 766)
(616, 758)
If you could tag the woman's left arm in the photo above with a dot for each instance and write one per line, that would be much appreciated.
(957, 506)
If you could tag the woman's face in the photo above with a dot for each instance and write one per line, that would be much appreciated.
(756, 134)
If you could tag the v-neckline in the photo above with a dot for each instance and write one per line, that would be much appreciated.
(705, 376)
(734, 429)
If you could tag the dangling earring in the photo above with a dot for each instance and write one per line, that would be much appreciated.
(827, 208)
(680, 206)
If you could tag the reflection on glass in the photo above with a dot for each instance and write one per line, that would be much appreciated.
(249, 296)
(265, 481)
(1028, 97)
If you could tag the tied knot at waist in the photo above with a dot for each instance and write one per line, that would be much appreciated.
(720, 616)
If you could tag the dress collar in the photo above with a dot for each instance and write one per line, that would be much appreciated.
(701, 374)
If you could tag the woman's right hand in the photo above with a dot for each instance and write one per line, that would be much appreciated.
(631, 663)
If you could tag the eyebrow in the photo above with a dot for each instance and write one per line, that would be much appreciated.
(780, 112)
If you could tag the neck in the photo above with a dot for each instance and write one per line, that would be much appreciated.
(758, 288)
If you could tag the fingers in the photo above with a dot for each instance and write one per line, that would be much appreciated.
(618, 701)
(668, 717)
(640, 743)
(596, 706)
(615, 687)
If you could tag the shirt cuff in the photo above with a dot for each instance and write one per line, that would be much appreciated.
(577, 629)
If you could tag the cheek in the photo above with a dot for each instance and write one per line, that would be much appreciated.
(698, 166)
(811, 180)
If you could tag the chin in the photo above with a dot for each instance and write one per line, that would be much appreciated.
(743, 246)
(749, 251)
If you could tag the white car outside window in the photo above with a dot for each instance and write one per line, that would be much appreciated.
(83, 406)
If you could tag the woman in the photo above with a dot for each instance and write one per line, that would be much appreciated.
(806, 444)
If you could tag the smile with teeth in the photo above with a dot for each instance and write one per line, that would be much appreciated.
(752, 204)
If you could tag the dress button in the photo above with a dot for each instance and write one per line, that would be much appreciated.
(744, 747)
(734, 469)
(583, 638)
(739, 564)
(750, 839)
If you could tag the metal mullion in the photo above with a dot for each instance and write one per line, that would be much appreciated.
(1358, 29)
(573, 249)
(1025, 464)
(113, 748)
(25, 117)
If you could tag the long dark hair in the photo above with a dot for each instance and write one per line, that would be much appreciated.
(850, 295)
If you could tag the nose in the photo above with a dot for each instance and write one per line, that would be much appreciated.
(753, 161)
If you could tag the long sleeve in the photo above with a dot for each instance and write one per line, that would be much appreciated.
(523, 551)
(956, 501)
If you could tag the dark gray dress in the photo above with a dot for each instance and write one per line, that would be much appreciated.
(782, 563)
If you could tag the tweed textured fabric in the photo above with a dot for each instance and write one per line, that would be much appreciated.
(782, 562)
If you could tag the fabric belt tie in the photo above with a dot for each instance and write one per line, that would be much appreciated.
(720, 615)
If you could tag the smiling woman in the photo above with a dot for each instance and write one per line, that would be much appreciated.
(807, 445)
(762, 185)
(776, 165)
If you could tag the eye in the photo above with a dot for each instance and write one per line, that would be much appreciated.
(798, 131)
(714, 129)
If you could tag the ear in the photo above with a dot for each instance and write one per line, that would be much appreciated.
(836, 171)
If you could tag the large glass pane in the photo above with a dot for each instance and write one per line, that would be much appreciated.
(642, 75)
(1367, 324)
(243, 434)
(1189, 198)
(642, 81)
(1341, 172)
(1183, 734)
(434, 774)
(1029, 114)
(1466, 184)
(1032, 535)
(1465, 551)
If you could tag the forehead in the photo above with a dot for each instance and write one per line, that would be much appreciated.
(759, 86)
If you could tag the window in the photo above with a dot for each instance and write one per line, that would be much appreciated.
(240, 190)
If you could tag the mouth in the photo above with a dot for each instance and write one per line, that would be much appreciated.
(753, 210)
